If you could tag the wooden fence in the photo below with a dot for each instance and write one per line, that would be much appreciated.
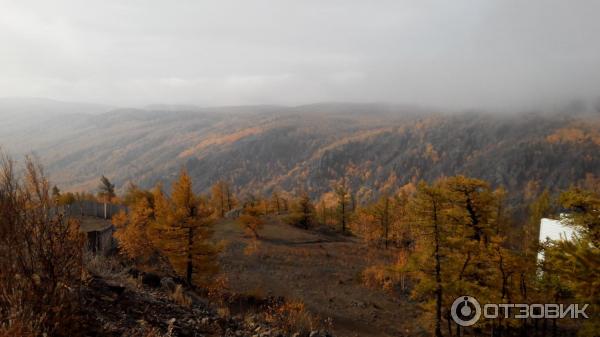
(99, 233)
(90, 208)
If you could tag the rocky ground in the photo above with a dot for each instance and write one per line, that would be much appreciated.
(289, 282)
(123, 307)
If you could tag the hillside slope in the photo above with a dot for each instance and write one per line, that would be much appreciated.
(257, 148)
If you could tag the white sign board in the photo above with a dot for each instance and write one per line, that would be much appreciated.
(555, 230)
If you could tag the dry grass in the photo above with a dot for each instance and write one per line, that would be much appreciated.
(179, 297)
(324, 273)
(256, 292)
(105, 267)
(252, 248)
(223, 311)
(218, 289)
(292, 317)
(17, 329)
(146, 331)
(380, 277)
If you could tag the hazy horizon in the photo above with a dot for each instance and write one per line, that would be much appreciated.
(497, 55)
(39, 105)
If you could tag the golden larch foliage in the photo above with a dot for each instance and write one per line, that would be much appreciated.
(183, 229)
(133, 230)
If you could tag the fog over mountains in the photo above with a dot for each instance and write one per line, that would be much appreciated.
(506, 56)
(459, 54)
(375, 147)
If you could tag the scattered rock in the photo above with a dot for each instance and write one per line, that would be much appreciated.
(127, 311)
(151, 280)
(117, 289)
(134, 272)
(167, 283)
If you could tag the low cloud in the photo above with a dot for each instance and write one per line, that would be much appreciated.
(458, 54)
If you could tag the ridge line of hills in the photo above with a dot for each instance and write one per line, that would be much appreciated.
(374, 147)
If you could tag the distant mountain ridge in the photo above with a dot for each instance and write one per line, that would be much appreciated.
(258, 148)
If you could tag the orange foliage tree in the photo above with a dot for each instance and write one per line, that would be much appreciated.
(183, 230)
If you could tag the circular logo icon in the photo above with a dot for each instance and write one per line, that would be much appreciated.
(465, 310)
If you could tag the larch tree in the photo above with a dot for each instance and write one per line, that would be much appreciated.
(572, 267)
(183, 231)
(538, 208)
(472, 199)
(382, 213)
(366, 226)
(428, 211)
(230, 200)
(529, 245)
(133, 229)
(302, 212)
(477, 255)
(276, 202)
(322, 212)
(343, 204)
(457, 251)
(106, 189)
(250, 220)
(66, 199)
(133, 193)
(583, 208)
(55, 193)
(402, 228)
(222, 198)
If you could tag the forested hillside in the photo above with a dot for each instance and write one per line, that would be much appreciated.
(372, 146)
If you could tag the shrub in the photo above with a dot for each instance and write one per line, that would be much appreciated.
(292, 316)
(102, 266)
(40, 258)
(380, 277)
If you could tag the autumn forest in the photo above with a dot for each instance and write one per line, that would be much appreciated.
(436, 240)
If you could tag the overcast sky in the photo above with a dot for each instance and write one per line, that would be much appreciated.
(460, 54)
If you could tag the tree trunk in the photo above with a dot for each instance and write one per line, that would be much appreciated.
(386, 220)
(343, 217)
(189, 261)
(449, 320)
(438, 277)
(545, 327)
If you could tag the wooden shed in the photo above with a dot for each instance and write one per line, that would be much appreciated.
(99, 235)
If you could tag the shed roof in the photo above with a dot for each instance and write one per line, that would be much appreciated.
(90, 224)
